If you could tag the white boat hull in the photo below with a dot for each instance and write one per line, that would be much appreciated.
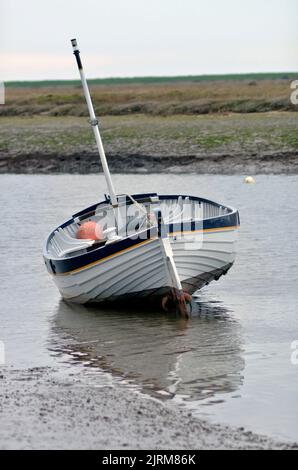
(141, 271)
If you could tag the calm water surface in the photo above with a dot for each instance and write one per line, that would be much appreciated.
(230, 363)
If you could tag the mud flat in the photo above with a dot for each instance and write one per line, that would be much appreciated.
(263, 143)
(43, 409)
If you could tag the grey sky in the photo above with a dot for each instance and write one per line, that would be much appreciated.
(142, 37)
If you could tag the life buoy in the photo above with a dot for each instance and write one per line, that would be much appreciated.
(90, 230)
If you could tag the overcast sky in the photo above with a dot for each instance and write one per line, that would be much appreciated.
(146, 37)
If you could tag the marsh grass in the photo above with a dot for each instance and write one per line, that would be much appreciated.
(151, 98)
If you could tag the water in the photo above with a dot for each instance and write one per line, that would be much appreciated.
(230, 363)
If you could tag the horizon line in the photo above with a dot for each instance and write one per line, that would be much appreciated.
(155, 77)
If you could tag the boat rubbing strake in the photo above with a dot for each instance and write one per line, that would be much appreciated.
(130, 247)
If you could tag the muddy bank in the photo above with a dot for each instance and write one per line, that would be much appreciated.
(220, 163)
(228, 144)
(44, 409)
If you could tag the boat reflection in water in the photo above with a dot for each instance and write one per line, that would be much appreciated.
(159, 353)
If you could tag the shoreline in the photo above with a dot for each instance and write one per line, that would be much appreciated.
(44, 409)
(263, 143)
(283, 162)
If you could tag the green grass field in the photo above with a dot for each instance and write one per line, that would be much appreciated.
(149, 135)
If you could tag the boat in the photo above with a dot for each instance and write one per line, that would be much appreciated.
(140, 247)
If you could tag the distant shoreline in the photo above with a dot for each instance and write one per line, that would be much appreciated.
(153, 96)
(156, 79)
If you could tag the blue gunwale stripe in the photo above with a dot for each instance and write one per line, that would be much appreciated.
(69, 265)
(78, 261)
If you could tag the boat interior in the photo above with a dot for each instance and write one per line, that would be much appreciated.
(134, 215)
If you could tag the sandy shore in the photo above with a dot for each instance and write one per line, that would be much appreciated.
(44, 409)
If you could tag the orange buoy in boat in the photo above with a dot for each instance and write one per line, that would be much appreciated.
(90, 230)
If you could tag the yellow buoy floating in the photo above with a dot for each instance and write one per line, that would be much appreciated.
(249, 180)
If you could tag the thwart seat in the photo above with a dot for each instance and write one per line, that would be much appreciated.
(65, 244)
